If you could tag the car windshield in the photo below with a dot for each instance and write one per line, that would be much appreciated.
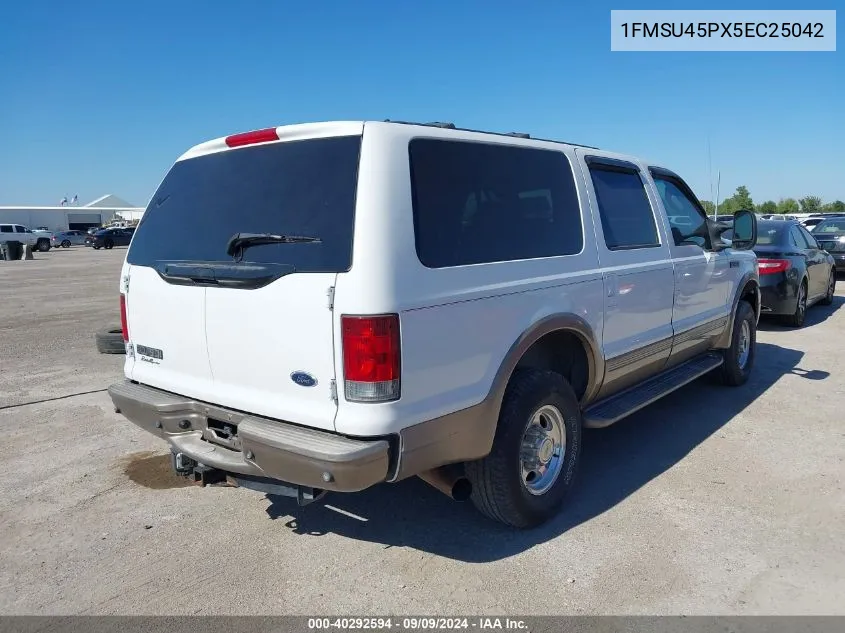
(830, 226)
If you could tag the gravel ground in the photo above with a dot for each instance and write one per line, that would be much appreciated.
(712, 501)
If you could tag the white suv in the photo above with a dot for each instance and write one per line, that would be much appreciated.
(362, 302)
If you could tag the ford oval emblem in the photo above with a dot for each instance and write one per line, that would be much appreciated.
(303, 379)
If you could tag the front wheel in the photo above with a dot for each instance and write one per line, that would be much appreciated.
(108, 244)
(535, 453)
(66, 244)
(739, 357)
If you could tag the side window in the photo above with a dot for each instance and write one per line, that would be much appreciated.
(477, 203)
(797, 239)
(20, 229)
(811, 241)
(6, 228)
(687, 223)
(627, 218)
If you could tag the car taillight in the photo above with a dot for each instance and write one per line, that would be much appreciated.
(123, 323)
(371, 357)
(771, 266)
(250, 138)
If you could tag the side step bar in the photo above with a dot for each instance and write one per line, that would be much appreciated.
(623, 404)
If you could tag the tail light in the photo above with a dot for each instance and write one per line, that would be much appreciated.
(371, 358)
(123, 324)
(772, 266)
(250, 138)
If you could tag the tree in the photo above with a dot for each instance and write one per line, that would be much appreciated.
(837, 206)
(767, 207)
(709, 207)
(810, 204)
(743, 198)
(788, 205)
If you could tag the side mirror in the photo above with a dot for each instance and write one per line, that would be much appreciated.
(744, 230)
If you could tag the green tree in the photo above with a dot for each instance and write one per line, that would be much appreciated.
(810, 204)
(837, 206)
(769, 206)
(788, 205)
(743, 198)
(709, 207)
(740, 200)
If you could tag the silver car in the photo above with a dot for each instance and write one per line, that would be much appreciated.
(66, 239)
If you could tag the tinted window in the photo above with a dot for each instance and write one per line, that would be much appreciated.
(626, 215)
(20, 229)
(688, 224)
(6, 228)
(295, 188)
(477, 202)
(770, 232)
(797, 239)
(830, 226)
(811, 241)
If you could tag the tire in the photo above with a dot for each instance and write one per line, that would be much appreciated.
(831, 289)
(110, 341)
(43, 245)
(737, 365)
(108, 244)
(796, 319)
(66, 244)
(500, 489)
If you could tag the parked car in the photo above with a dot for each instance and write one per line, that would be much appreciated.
(491, 304)
(66, 239)
(795, 271)
(109, 238)
(830, 234)
(38, 239)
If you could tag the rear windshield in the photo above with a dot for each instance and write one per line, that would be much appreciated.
(830, 226)
(303, 188)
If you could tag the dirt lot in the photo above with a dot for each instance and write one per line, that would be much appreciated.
(713, 501)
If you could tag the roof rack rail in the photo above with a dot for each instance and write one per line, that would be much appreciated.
(452, 126)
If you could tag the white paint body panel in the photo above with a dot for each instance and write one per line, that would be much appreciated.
(237, 348)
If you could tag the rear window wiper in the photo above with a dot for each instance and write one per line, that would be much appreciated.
(239, 242)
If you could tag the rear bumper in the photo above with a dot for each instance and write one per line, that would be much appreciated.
(261, 447)
(839, 262)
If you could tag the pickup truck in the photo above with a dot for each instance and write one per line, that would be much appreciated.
(363, 302)
(38, 239)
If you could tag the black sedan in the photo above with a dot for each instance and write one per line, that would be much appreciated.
(830, 234)
(795, 272)
(109, 238)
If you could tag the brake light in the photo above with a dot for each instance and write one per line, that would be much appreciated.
(371, 357)
(250, 138)
(771, 266)
(123, 323)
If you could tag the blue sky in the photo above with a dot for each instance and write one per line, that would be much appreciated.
(100, 97)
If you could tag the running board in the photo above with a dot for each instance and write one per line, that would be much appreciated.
(623, 404)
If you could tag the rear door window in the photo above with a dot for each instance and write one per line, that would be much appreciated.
(627, 218)
(479, 203)
(6, 228)
(302, 188)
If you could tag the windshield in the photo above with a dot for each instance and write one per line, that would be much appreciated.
(294, 188)
(830, 226)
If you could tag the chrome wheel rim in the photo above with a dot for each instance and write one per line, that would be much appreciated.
(744, 346)
(831, 286)
(543, 449)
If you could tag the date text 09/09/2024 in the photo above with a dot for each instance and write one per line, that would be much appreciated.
(414, 624)
(723, 29)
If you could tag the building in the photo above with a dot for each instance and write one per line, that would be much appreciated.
(62, 218)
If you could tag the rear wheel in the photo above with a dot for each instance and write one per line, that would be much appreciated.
(43, 246)
(831, 289)
(796, 319)
(108, 244)
(532, 464)
(110, 341)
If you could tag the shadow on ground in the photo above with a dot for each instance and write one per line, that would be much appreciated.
(616, 462)
(816, 315)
